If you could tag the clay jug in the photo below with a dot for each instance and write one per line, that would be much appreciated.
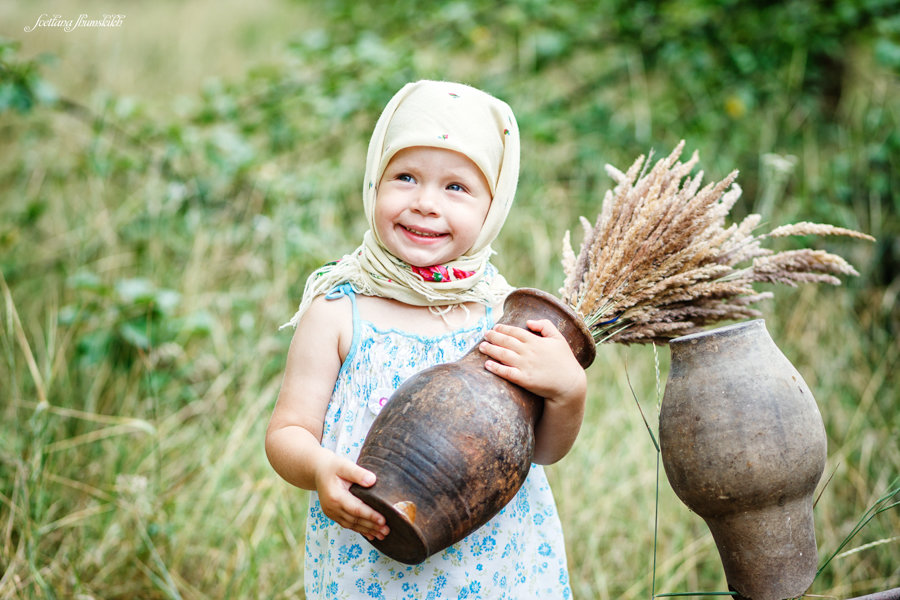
(743, 446)
(454, 443)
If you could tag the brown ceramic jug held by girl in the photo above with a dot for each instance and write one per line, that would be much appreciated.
(454, 443)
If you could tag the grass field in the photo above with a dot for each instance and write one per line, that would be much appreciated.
(148, 258)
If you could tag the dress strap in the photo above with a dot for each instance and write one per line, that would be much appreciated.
(339, 291)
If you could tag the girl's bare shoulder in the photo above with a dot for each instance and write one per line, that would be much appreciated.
(328, 321)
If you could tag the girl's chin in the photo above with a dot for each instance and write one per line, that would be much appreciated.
(424, 262)
(424, 259)
(423, 256)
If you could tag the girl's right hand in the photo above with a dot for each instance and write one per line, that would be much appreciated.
(333, 480)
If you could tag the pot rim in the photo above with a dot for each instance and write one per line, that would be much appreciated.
(724, 331)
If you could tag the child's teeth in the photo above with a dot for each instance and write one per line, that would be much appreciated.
(417, 232)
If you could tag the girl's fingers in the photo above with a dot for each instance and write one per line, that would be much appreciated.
(502, 370)
(366, 527)
(343, 507)
(360, 518)
(543, 327)
(358, 511)
(514, 337)
(505, 343)
(509, 344)
(353, 473)
(498, 353)
(507, 332)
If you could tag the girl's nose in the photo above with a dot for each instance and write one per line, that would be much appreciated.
(426, 200)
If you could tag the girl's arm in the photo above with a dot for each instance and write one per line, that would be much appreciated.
(543, 364)
(294, 435)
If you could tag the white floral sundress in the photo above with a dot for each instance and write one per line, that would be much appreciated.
(519, 554)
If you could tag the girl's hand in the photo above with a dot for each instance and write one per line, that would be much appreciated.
(333, 480)
(542, 364)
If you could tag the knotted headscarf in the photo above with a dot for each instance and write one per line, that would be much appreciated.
(436, 114)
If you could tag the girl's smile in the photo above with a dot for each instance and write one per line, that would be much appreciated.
(417, 233)
(430, 206)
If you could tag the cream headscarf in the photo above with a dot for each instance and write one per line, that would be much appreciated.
(436, 114)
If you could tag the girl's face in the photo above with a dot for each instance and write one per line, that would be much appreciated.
(430, 205)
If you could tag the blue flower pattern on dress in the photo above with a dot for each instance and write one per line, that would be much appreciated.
(517, 555)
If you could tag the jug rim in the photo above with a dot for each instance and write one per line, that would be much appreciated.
(724, 331)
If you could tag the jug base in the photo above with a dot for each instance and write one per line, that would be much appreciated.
(405, 542)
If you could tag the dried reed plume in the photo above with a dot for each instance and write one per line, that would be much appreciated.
(659, 262)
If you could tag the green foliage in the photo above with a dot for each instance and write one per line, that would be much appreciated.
(21, 85)
(130, 317)
(151, 246)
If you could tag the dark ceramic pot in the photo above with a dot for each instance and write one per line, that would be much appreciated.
(454, 443)
(743, 446)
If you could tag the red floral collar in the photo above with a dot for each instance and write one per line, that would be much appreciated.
(439, 273)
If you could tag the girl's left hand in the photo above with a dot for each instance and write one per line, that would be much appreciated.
(543, 363)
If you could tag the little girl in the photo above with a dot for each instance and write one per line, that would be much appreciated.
(441, 173)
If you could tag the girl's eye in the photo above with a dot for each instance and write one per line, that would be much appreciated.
(405, 177)
(455, 187)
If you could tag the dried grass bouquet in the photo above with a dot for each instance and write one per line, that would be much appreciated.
(660, 263)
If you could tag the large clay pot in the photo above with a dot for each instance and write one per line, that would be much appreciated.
(455, 442)
(743, 446)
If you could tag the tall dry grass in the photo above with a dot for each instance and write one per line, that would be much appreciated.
(146, 478)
